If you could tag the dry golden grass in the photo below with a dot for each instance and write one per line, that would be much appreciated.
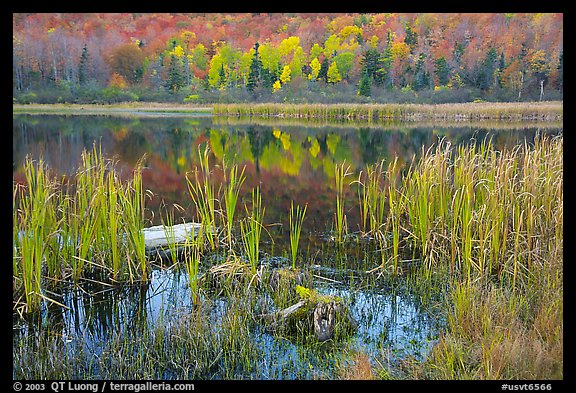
(359, 368)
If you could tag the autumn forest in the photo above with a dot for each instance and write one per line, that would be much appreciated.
(324, 58)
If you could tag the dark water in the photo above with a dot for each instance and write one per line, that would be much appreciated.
(290, 162)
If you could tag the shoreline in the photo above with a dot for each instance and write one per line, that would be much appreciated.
(524, 111)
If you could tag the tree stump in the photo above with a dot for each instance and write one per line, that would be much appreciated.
(324, 319)
(318, 316)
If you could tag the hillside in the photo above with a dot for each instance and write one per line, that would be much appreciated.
(204, 58)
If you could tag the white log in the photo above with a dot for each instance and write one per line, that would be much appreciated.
(160, 236)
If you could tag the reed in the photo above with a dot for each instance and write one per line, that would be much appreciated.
(132, 200)
(341, 172)
(543, 111)
(296, 221)
(107, 218)
(192, 256)
(480, 210)
(372, 198)
(168, 227)
(251, 229)
(231, 194)
(36, 227)
(396, 207)
(65, 228)
(203, 196)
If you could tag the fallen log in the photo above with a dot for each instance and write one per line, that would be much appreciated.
(158, 238)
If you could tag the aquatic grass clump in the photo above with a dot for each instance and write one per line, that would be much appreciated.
(340, 173)
(251, 229)
(109, 218)
(35, 228)
(372, 198)
(231, 195)
(168, 227)
(192, 256)
(89, 223)
(493, 333)
(483, 212)
(296, 220)
(395, 207)
(132, 201)
(203, 196)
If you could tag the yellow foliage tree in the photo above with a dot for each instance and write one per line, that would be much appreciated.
(333, 73)
(286, 75)
(400, 50)
(276, 86)
(315, 69)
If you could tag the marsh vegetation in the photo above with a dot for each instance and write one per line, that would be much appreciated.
(449, 264)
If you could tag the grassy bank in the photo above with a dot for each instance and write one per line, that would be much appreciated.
(552, 110)
(481, 111)
(126, 108)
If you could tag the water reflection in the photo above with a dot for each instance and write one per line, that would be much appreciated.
(289, 160)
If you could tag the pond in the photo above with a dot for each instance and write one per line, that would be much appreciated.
(291, 162)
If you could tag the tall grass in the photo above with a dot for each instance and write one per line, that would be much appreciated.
(132, 200)
(340, 173)
(491, 219)
(192, 256)
(35, 225)
(91, 222)
(395, 207)
(378, 112)
(203, 195)
(484, 212)
(251, 229)
(372, 198)
(168, 227)
(296, 220)
(231, 195)
(494, 334)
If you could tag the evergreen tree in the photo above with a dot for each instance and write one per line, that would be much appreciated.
(458, 52)
(560, 71)
(255, 73)
(175, 80)
(501, 67)
(421, 76)
(442, 71)
(373, 65)
(267, 79)
(323, 74)
(411, 38)
(222, 76)
(488, 67)
(83, 66)
(365, 85)
(385, 62)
